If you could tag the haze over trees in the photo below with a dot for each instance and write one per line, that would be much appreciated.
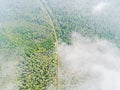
(27, 38)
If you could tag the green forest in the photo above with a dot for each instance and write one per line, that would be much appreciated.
(27, 33)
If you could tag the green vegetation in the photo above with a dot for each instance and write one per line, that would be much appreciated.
(28, 31)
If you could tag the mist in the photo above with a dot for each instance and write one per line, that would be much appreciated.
(90, 57)
(100, 15)
(8, 70)
(89, 64)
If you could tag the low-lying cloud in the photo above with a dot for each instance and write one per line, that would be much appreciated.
(8, 71)
(89, 64)
(98, 8)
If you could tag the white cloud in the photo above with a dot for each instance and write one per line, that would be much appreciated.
(99, 7)
(8, 71)
(89, 65)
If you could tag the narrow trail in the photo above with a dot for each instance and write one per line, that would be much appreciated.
(56, 40)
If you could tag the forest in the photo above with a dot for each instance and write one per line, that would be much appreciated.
(27, 38)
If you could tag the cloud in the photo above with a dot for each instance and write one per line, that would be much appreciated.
(89, 64)
(8, 71)
(99, 7)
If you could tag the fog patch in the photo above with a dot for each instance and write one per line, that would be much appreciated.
(8, 71)
(89, 64)
(99, 7)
